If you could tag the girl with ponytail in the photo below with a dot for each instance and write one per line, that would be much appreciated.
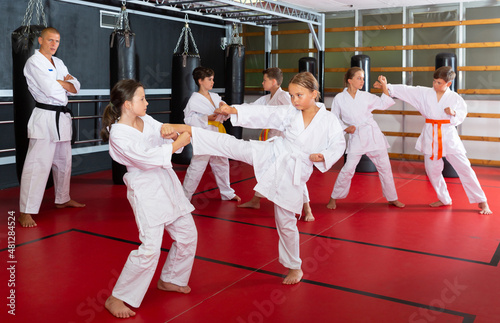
(155, 194)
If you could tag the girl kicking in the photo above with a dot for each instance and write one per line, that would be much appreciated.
(282, 165)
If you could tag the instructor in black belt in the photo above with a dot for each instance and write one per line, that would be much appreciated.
(49, 129)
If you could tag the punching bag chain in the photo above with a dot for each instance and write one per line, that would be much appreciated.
(122, 24)
(186, 32)
(32, 4)
(122, 21)
(235, 36)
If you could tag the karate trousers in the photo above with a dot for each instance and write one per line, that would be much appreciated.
(461, 164)
(305, 198)
(141, 264)
(220, 169)
(380, 159)
(209, 142)
(44, 155)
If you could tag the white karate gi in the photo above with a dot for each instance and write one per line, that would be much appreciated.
(367, 139)
(157, 199)
(281, 165)
(196, 114)
(46, 150)
(424, 99)
(279, 98)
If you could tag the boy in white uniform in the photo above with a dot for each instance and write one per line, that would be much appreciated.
(272, 79)
(199, 112)
(443, 110)
(49, 129)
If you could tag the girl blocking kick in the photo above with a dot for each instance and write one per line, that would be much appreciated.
(312, 137)
(354, 109)
(155, 194)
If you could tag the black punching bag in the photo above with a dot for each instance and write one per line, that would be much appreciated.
(24, 42)
(363, 61)
(183, 86)
(122, 65)
(308, 64)
(365, 165)
(448, 59)
(235, 82)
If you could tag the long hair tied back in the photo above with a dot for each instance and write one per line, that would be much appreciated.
(308, 81)
(123, 91)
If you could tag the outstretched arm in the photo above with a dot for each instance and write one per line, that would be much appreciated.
(171, 130)
(225, 109)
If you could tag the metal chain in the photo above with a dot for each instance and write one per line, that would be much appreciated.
(194, 44)
(122, 21)
(32, 4)
(186, 40)
(186, 32)
(28, 14)
(40, 13)
(179, 41)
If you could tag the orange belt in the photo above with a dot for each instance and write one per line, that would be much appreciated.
(440, 136)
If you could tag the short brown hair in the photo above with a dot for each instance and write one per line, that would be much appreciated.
(445, 73)
(274, 73)
(201, 72)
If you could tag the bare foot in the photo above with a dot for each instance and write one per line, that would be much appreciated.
(308, 215)
(485, 209)
(438, 204)
(396, 203)
(116, 307)
(254, 203)
(332, 204)
(236, 198)
(26, 220)
(70, 203)
(169, 287)
(294, 276)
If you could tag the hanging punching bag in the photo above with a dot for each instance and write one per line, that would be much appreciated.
(184, 62)
(308, 64)
(24, 42)
(122, 65)
(363, 61)
(448, 59)
(235, 82)
(122, 53)
(183, 86)
(365, 165)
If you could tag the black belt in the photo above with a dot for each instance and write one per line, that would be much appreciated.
(58, 109)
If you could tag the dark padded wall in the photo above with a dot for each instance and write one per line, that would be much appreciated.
(85, 51)
(85, 45)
